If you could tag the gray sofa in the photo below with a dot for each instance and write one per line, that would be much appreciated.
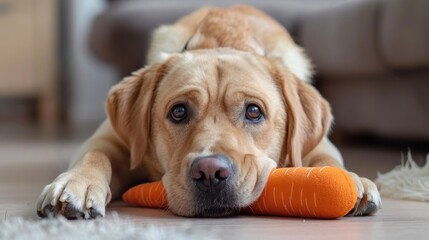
(121, 34)
(371, 56)
(372, 59)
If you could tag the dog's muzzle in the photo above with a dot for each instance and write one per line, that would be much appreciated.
(211, 178)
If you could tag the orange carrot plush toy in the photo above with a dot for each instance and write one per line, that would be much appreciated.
(313, 192)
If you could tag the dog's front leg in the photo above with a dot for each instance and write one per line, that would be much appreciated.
(99, 171)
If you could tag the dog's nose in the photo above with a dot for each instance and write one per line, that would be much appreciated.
(211, 173)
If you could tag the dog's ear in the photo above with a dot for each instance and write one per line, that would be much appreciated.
(308, 116)
(129, 106)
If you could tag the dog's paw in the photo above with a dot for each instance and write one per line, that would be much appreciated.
(75, 195)
(368, 200)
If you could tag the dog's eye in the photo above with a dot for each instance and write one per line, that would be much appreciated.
(178, 113)
(253, 113)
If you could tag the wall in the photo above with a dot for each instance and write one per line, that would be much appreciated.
(89, 80)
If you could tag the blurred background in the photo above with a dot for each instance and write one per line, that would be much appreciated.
(58, 59)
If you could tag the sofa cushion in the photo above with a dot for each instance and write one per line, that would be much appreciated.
(404, 33)
(121, 35)
(341, 40)
(389, 106)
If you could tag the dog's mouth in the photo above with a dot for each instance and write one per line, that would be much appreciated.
(215, 208)
(216, 204)
(218, 212)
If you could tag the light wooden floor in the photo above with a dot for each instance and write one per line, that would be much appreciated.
(25, 167)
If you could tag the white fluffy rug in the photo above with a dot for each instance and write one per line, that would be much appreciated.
(407, 181)
(112, 227)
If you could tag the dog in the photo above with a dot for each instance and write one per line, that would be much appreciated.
(225, 98)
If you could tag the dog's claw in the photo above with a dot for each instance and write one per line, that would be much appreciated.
(49, 211)
(94, 213)
(72, 212)
(40, 214)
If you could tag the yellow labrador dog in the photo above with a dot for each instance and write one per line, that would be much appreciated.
(225, 99)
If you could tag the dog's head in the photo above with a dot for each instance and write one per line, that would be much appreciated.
(214, 123)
